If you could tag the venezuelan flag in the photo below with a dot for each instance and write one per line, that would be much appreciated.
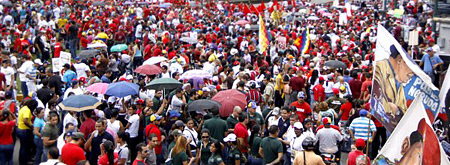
(305, 41)
(262, 38)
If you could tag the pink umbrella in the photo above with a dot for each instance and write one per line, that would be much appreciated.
(229, 99)
(99, 88)
(327, 15)
(148, 69)
(241, 22)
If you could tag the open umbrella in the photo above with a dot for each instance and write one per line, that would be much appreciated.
(229, 99)
(79, 103)
(196, 73)
(154, 60)
(165, 5)
(88, 53)
(128, 3)
(335, 64)
(238, 14)
(97, 45)
(119, 48)
(241, 22)
(189, 40)
(98, 3)
(6, 3)
(148, 69)
(122, 89)
(164, 83)
(99, 88)
(203, 104)
(313, 18)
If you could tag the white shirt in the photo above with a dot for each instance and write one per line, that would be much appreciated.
(8, 71)
(52, 162)
(273, 121)
(138, 33)
(133, 130)
(176, 67)
(81, 68)
(26, 67)
(115, 126)
(77, 91)
(191, 134)
(70, 119)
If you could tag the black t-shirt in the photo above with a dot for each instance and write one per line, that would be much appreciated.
(73, 32)
(55, 82)
(45, 94)
(95, 146)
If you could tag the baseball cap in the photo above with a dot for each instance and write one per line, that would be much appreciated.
(342, 88)
(174, 113)
(321, 79)
(179, 123)
(140, 101)
(298, 125)
(360, 143)
(363, 112)
(252, 105)
(77, 135)
(155, 117)
(325, 121)
(430, 49)
(335, 91)
(230, 138)
(301, 95)
(38, 61)
(276, 111)
(176, 132)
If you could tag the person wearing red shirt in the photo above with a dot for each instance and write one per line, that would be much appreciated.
(88, 126)
(142, 151)
(6, 140)
(303, 110)
(319, 91)
(241, 132)
(366, 84)
(157, 51)
(107, 149)
(153, 128)
(352, 156)
(147, 51)
(58, 48)
(83, 41)
(345, 110)
(72, 153)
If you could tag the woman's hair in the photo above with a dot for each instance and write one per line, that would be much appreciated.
(218, 147)
(255, 131)
(314, 76)
(123, 135)
(323, 106)
(38, 110)
(109, 148)
(115, 113)
(5, 115)
(180, 145)
(32, 104)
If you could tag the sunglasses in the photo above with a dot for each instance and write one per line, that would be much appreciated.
(204, 137)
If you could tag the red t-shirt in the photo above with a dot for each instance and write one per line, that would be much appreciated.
(57, 49)
(319, 91)
(139, 162)
(84, 42)
(71, 154)
(352, 157)
(346, 108)
(103, 160)
(2, 80)
(151, 128)
(303, 110)
(87, 127)
(240, 131)
(6, 136)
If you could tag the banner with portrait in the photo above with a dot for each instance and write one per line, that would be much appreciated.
(413, 141)
(397, 81)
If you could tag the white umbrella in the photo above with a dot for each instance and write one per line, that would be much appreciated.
(97, 45)
(197, 73)
(154, 60)
(189, 40)
(313, 18)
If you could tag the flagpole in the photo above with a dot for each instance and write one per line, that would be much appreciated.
(368, 135)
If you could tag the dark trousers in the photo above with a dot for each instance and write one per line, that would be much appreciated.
(24, 87)
(6, 154)
(132, 147)
(26, 140)
(39, 151)
(378, 141)
(279, 102)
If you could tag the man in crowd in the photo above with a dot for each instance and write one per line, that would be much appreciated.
(271, 149)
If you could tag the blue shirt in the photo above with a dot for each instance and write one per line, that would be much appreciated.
(68, 76)
(40, 123)
(429, 62)
(360, 126)
(105, 79)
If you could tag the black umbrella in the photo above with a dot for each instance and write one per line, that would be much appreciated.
(203, 104)
(335, 64)
(164, 83)
(6, 3)
(88, 53)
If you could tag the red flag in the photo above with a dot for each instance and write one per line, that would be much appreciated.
(232, 7)
(240, 7)
(254, 10)
(262, 6)
(275, 3)
(270, 9)
(246, 10)
(293, 3)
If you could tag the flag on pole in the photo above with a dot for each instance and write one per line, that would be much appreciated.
(305, 42)
(263, 40)
(246, 9)
(263, 7)
(254, 10)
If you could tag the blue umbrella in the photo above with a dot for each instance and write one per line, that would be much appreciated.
(79, 103)
(122, 89)
(165, 5)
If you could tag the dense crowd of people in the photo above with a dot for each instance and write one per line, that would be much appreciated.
(298, 110)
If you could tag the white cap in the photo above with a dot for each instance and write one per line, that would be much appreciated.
(38, 61)
(230, 138)
(276, 111)
(298, 125)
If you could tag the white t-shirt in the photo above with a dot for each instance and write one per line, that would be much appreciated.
(81, 68)
(26, 67)
(77, 91)
(70, 119)
(8, 71)
(122, 151)
(191, 134)
(138, 33)
(133, 130)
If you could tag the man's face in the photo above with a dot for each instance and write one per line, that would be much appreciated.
(144, 152)
(308, 125)
(149, 102)
(414, 155)
(154, 141)
(99, 127)
(300, 100)
(404, 73)
(292, 121)
(130, 110)
(284, 114)
(158, 94)
(54, 120)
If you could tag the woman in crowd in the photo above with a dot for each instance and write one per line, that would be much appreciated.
(113, 123)
(38, 124)
(203, 150)
(108, 156)
(255, 140)
(216, 157)
(178, 153)
(7, 123)
(122, 148)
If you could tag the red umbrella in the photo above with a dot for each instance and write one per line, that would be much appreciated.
(148, 69)
(229, 99)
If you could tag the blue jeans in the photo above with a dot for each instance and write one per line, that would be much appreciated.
(24, 87)
(6, 154)
(26, 138)
(254, 160)
(73, 47)
(39, 151)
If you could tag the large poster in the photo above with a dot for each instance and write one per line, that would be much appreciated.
(65, 58)
(397, 81)
(413, 142)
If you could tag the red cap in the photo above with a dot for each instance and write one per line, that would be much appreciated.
(124, 52)
(360, 143)
(335, 91)
(367, 106)
(136, 41)
(140, 101)
(236, 63)
(325, 121)
(218, 88)
(321, 79)
(83, 79)
(432, 40)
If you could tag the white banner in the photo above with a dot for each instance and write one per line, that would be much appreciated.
(397, 81)
(56, 65)
(413, 141)
(321, 1)
(65, 58)
(444, 95)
